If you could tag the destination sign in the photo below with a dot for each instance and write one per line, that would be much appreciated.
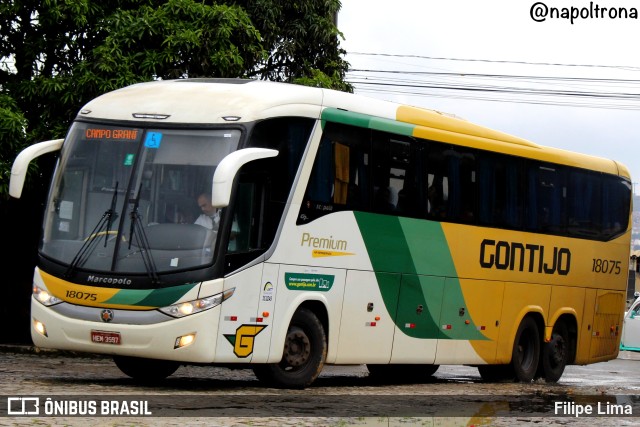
(121, 134)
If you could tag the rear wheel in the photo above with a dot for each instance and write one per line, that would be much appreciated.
(305, 350)
(148, 370)
(555, 353)
(526, 350)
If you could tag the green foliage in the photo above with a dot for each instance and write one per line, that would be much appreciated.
(13, 127)
(319, 79)
(302, 39)
(56, 55)
(181, 38)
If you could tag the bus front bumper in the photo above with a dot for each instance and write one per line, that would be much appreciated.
(188, 339)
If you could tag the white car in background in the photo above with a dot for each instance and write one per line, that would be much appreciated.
(631, 327)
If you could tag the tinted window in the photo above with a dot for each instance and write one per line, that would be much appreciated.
(361, 169)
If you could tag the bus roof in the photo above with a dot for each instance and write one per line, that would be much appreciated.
(236, 100)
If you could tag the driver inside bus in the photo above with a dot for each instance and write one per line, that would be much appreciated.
(210, 218)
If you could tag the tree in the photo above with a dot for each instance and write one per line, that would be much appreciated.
(42, 43)
(56, 55)
(303, 42)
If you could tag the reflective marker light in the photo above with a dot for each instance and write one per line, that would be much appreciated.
(196, 306)
(184, 340)
(151, 116)
(44, 297)
(39, 327)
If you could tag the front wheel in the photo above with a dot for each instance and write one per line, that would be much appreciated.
(305, 350)
(147, 370)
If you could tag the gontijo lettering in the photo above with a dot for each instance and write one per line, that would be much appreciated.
(513, 255)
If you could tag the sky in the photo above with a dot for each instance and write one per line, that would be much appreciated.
(566, 83)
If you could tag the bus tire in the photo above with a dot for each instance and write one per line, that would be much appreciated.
(555, 353)
(526, 350)
(305, 350)
(402, 373)
(146, 370)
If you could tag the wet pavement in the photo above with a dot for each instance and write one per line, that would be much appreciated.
(342, 395)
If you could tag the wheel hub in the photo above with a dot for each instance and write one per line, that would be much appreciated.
(297, 348)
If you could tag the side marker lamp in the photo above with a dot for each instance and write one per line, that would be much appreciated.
(196, 306)
(44, 297)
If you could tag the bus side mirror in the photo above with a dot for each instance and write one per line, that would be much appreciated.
(21, 163)
(227, 170)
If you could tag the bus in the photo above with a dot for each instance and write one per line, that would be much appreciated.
(345, 230)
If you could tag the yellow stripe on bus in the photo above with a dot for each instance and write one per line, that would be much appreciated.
(85, 295)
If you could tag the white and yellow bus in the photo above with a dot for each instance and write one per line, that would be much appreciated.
(348, 230)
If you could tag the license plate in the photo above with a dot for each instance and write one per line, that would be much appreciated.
(104, 337)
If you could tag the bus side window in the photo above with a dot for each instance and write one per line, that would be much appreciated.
(340, 176)
(390, 165)
(547, 196)
(500, 190)
(437, 182)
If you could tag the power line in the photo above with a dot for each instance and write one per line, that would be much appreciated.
(508, 89)
(493, 61)
(509, 76)
(479, 97)
(581, 91)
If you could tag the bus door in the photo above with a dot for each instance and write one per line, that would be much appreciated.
(368, 314)
(418, 319)
(238, 335)
(246, 320)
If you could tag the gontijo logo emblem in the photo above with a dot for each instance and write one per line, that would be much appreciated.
(244, 339)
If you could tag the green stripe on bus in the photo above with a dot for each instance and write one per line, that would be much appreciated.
(414, 255)
(129, 296)
(151, 298)
(367, 121)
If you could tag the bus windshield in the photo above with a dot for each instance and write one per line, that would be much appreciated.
(135, 200)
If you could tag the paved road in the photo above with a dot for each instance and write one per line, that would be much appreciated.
(343, 395)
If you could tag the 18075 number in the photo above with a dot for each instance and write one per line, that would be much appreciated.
(85, 296)
(606, 266)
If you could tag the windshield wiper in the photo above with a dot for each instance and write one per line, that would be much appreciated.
(136, 229)
(102, 227)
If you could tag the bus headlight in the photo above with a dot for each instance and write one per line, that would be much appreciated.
(44, 297)
(196, 306)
